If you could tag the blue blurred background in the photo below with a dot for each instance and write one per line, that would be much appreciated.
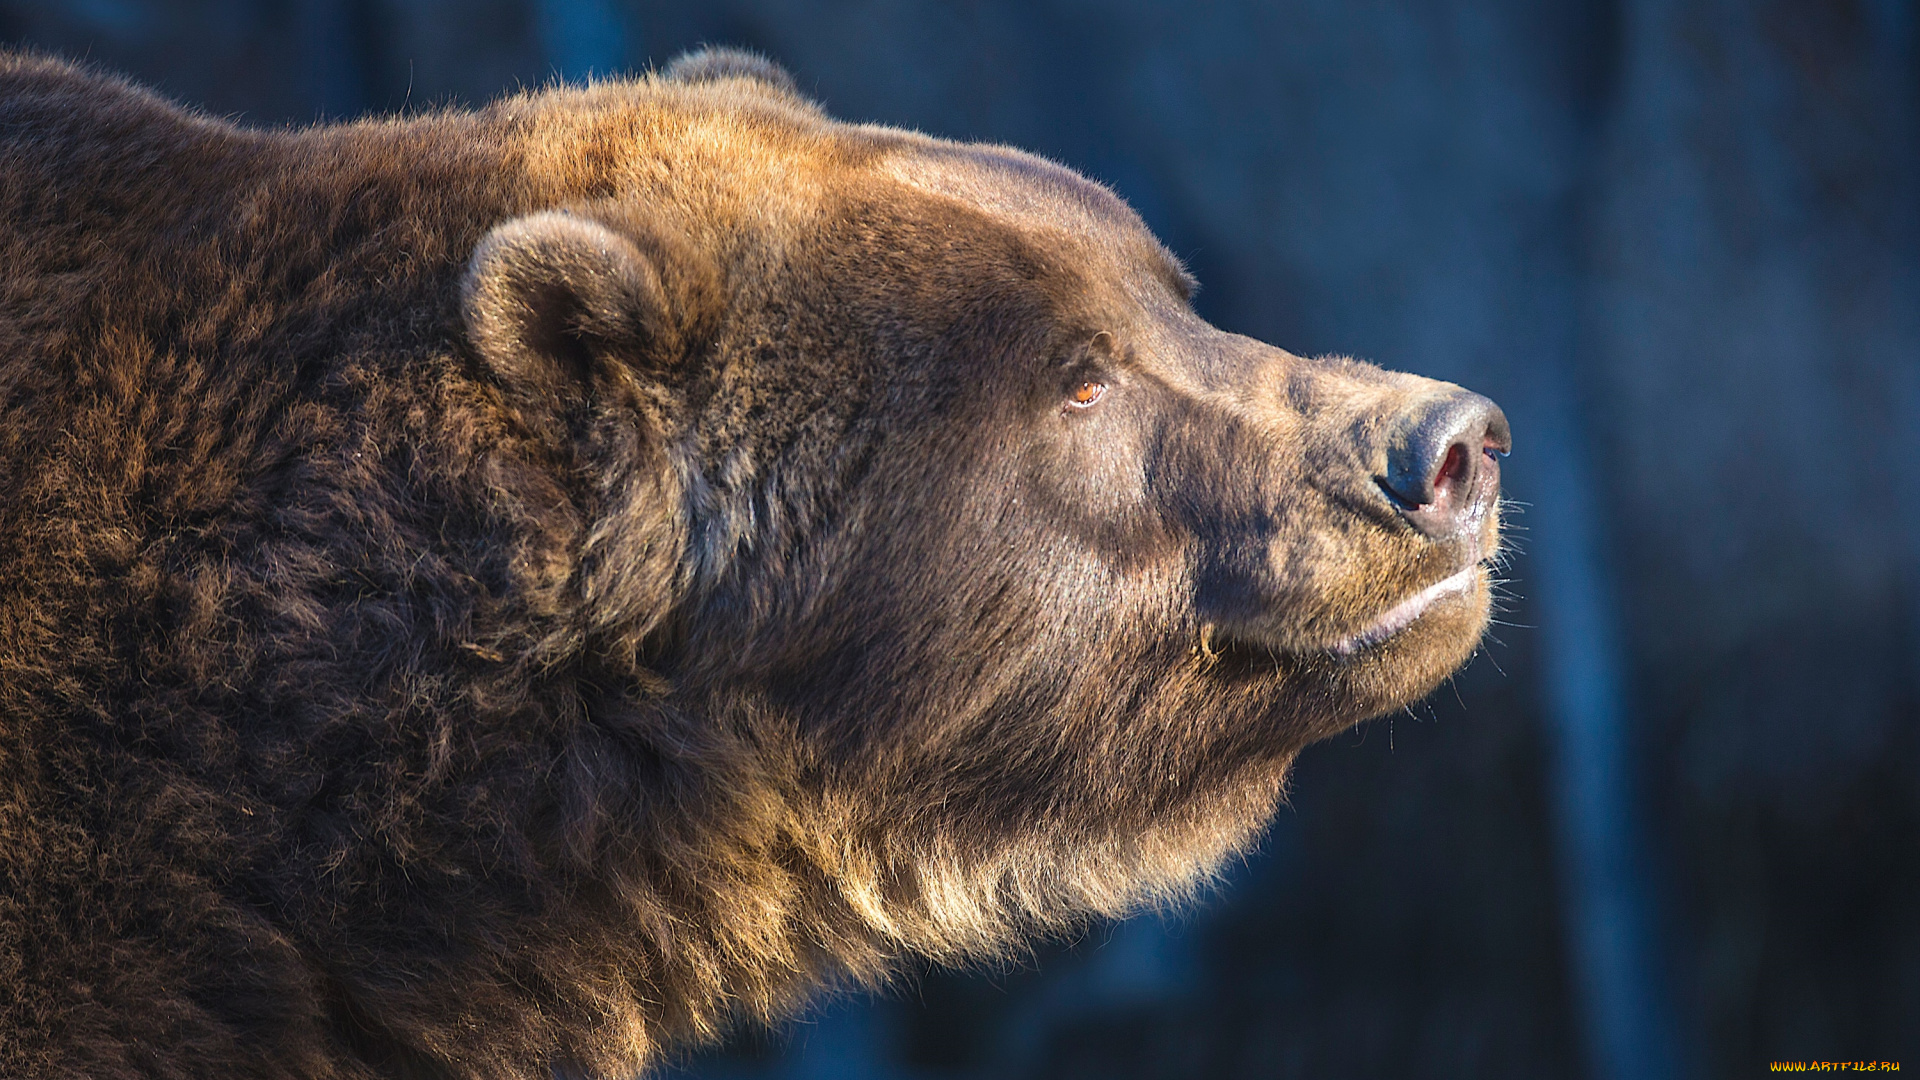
(1668, 824)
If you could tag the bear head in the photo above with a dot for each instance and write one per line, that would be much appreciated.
(1018, 582)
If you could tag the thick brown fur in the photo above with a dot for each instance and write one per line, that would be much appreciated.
(494, 594)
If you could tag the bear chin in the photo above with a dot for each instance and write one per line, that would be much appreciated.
(1396, 670)
(1370, 673)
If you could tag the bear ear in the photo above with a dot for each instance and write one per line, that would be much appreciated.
(569, 315)
(713, 64)
(556, 304)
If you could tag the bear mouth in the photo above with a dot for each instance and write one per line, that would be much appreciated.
(1407, 612)
(1254, 652)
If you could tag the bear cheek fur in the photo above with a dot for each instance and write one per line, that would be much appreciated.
(905, 665)
(1047, 710)
(1000, 704)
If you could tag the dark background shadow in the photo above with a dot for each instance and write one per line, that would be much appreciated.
(1669, 823)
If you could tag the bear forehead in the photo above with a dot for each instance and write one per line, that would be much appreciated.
(733, 151)
(1033, 194)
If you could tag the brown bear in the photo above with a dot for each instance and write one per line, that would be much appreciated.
(494, 594)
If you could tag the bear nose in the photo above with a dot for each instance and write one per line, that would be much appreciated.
(1443, 462)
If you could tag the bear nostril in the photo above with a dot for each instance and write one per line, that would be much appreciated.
(1454, 472)
(1442, 465)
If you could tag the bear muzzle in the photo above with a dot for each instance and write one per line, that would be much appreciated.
(1418, 463)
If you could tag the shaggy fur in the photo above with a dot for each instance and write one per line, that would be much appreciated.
(491, 594)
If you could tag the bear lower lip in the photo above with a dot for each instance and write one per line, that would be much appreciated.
(1408, 611)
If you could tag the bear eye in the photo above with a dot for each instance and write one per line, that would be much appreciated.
(1086, 394)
